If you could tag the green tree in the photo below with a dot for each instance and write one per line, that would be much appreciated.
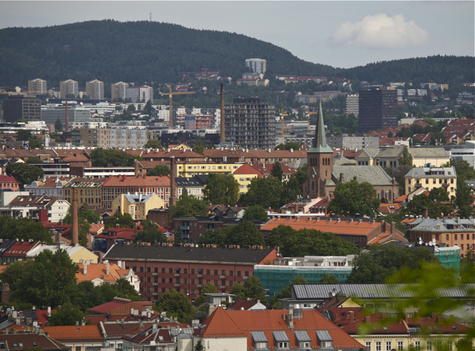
(153, 144)
(256, 212)
(58, 126)
(286, 292)
(188, 206)
(23, 135)
(34, 159)
(68, 314)
(237, 290)
(291, 189)
(176, 304)
(159, 170)
(352, 198)
(201, 298)
(290, 145)
(149, 234)
(277, 171)
(405, 158)
(108, 157)
(462, 168)
(467, 267)
(377, 263)
(23, 229)
(123, 220)
(199, 147)
(199, 346)
(245, 234)
(221, 189)
(464, 199)
(329, 279)
(216, 236)
(265, 192)
(253, 289)
(48, 280)
(148, 108)
(418, 203)
(131, 107)
(24, 173)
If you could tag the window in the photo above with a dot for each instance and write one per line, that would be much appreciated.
(417, 344)
(429, 346)
(368, 345)
(163, 269)
(239, 273)
(215, 272)
(388, 345)
(283, 345)
(400, 345)
(170, 270)
(141, 269)
(378, 345)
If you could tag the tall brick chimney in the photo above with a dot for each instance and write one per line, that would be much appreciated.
(75, 229)
(222, 133)
(67, 118)
(172, 181)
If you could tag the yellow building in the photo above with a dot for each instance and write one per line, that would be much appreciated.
(137, 205)
(77, 253)
(435, 157)
(190, 169)
(430, 178)
(89, 190)
(244, 175)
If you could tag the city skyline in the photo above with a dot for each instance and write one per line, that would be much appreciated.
(340, 33)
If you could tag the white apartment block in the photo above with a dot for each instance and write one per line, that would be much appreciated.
(129, 138)
(119, 91)
(256, 65)
(139, 94)
(352, 104)
(95, 89)
(37, 86)
(68, 87)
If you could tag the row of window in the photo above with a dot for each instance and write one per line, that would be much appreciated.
(388, 345)
(185, 271)
(434, 181)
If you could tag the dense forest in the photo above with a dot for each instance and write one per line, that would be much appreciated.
(145, 51)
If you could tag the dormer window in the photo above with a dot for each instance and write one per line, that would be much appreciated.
(281, 339)
(259, 340)
(324, 339)
(303, 340)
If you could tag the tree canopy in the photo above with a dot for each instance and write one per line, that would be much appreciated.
(352, 198)
(123, 220)
(199, 147)
(221, 189)
(286, 292)
(256, 212)
(159, 170)
(24, 173)
(176, 304)
(153, 144)
(376, 263)
(114, 158)
(149, 234)
(263, 191)
(23, 229)
(245, 234)
(188, 206)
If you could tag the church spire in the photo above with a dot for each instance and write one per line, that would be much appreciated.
(320, 141)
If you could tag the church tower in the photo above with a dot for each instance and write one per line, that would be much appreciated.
(319, 162)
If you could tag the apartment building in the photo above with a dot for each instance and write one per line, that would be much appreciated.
(188, 268)
(21, 107)
(76, 114)
(430, 178)
(137, 205)
(96, 137)
(37, 86)
(89, 190)
(139, 94)
(68, 87)
(250, 123)
(256, 65)
(352, 104)
(95, 89)
(119, 91)
(122, 184)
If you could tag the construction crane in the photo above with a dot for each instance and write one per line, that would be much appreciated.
(170, 98)
(282, 115)
(308, 120)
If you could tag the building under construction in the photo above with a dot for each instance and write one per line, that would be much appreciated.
(250, 123)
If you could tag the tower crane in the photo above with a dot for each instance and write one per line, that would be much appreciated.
(170, 98)
(308, 120)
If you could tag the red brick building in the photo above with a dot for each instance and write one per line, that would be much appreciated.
(8, 183)
(188, 268)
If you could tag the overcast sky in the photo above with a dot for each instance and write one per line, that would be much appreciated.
(336, 33)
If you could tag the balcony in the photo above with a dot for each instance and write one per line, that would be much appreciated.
(155, 284)
(155, 294)
(199, 285)
(418, 185)
(154, 273)
(222, 286)
(245, 277)
(222, 277)
(199, 275)
(177, 285)
(445, 185)
(177, 274)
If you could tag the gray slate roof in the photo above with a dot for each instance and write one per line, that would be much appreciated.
(443, 225)
(138, 199)
(323, 291)
(374, 175)
(427, 152)
(187, 254)
(448, 172)
(390, 152)
(370, 152)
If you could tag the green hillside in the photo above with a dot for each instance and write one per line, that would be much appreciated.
(145, 51)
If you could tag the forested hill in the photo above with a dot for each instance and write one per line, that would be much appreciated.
(112, 51)
(145, 51)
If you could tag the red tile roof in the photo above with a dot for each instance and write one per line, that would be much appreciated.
(248, 169)
(20, 249)
(72, 332)
(137, 181)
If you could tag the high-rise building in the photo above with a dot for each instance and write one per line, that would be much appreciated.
(377, 109)
(352, 106)
(119, 91)
(21, 107)
(256, 65)
(37, 86)
(139, 94)
(95, 89)
(250, 123)
(69, 87)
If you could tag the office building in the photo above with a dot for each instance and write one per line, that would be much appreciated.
(68, 87)
(377, 109)
(256, 65)
(119, 91)
(95, 89)
(250, 123)
(50, 113)
(352, 105)
(21, 107)
(37, 86)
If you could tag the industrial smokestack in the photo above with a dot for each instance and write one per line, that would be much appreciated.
(67, 117)
(75, 230)
(172, 181)
(223, 137)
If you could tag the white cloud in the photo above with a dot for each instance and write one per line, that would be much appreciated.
(380, 32)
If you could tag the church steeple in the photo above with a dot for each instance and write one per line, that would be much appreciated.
(319, 144)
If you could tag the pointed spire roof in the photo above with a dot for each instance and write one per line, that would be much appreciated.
(319, 145)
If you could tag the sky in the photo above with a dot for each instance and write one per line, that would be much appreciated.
(336, 33)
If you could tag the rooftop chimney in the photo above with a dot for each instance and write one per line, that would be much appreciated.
(172, 181)
(75, 230)
(85, 268)
(67, 117)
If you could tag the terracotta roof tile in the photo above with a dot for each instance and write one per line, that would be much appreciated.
(73, 332)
